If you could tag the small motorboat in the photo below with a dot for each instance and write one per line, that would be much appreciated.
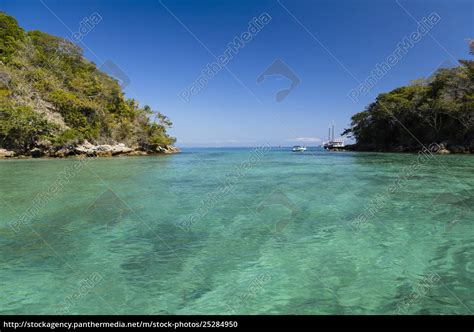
(299, 148)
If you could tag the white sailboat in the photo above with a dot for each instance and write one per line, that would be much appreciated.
(333, 143)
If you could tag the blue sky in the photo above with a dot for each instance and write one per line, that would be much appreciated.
(162, 47)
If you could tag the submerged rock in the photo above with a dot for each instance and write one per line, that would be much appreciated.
(137, 153)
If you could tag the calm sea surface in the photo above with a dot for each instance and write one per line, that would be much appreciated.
(245, 231)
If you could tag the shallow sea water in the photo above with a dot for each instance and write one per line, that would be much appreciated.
(244, 231)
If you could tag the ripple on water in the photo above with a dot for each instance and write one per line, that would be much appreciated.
(298, 241)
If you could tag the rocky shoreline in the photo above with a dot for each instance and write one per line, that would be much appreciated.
(88, 149)
(438, 148)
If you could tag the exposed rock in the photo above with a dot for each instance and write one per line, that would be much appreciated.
(85, 148)
(120, 149)
(443, 151)
(6, 153)
(160, 149)
(166, 149)
(171, 149)
(107, 153)
(64, 152)
(45, 148)
(104, 150)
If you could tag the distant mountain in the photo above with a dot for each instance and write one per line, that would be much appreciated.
(53, 99)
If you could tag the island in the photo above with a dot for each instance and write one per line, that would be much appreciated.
(435, 110)
(56, 103)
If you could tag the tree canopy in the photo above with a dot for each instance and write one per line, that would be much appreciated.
(438, 109)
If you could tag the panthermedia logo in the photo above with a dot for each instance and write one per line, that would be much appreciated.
(281, 208)
(278, 67)
(113, 70)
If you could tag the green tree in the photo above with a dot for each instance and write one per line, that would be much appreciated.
(437, 109)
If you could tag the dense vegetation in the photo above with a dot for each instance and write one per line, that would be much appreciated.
(50, 94)
(437, 109)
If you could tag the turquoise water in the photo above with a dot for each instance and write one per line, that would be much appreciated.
(223, 231)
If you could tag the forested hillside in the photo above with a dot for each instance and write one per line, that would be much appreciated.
(438, 109)
(53, 99)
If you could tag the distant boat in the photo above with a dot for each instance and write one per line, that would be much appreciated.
(333, 143)
(299, 148)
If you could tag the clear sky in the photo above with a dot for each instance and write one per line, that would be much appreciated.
(162, 47)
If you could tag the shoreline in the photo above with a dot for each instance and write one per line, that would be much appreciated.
(87, 149)
(441, 149)
(78, 156)
(109, 151)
